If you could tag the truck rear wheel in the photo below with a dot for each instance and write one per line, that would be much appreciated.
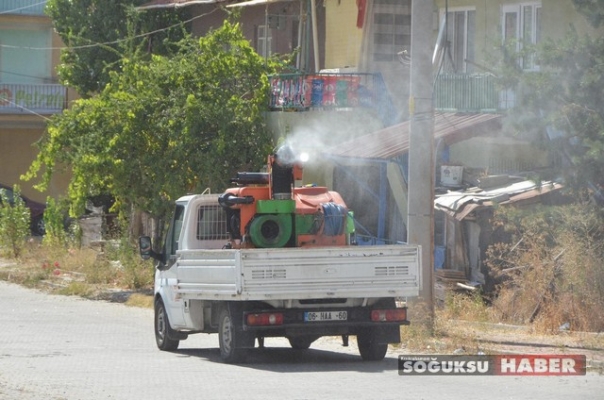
(369, 348)
(163, 329)
(229, 338)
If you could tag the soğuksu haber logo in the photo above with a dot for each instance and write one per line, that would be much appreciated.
(513, 364)
(445, 365)
(540, 365)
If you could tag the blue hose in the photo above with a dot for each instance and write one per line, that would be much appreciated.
(335, 219)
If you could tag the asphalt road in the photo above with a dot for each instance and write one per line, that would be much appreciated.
(56, 347)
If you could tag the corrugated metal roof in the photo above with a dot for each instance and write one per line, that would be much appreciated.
(460, 204)
(393, 141)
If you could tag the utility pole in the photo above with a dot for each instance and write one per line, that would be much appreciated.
(420, 221)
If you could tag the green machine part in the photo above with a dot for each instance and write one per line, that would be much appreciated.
(271, 230)
(272, 225)
(308, 224)
(275, 206)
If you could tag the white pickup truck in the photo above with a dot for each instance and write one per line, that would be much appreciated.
(268, 259)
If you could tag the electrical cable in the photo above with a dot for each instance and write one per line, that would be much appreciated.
(47, 78)
(117, 41)
(5, 100)
(22, 8)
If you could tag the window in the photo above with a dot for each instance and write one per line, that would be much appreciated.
(459, 51)
(522, 27)
(20, 64)
(211, 223)
(174, 231)
(264, 43)
(392, 28)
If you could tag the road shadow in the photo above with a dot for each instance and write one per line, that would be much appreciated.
(119, 295)
(281, 359)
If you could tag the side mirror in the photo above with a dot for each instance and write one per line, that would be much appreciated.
(146, 250)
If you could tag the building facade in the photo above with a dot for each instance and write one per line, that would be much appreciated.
(29, 92)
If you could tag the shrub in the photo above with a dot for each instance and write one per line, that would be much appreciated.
(551, 273)
(54, 223)
(15, 219)
(135, 272)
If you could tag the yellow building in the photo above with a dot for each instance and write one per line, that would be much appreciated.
(29, 92)
(477, 29)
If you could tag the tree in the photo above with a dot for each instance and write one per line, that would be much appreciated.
(593, 10)
(563, 99)
(93, 31)
(165, 127)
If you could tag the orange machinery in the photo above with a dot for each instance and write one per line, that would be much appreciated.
(271, 209)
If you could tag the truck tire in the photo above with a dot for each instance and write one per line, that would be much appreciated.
(163, 329)
(37, 226)
(301, 342)
(369, 348)
(229, 339)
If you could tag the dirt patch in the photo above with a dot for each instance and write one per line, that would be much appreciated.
(492, 338)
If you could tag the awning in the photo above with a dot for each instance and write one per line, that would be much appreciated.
(393, 141)
(174, 3)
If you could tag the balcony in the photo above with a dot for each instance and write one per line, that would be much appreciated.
(331, 91)
(29, 99)
(464, 93)
(22, 7)
(469, 93)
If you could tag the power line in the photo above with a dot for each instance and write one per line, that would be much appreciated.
(44, 78)
(23, 8)
(6, 100)
(117, 41)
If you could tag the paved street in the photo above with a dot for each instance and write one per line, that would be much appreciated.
(56, 347)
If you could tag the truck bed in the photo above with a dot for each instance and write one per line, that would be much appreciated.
(299, 273)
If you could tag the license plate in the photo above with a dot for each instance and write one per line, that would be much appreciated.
(316, 316)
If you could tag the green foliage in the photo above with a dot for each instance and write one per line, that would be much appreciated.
(593, 10)
(14, 222)
(94, 32)
(560, 107)
(54, 216)
(165, 127)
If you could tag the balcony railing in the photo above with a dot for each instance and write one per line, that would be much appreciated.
(467, 93)
(22, 7)
(301, 92)
(40, 99)
(332, 91)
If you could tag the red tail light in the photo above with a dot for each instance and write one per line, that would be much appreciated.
(397, 314)
(264, 319)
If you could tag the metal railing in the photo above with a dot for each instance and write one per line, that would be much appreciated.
(332, 91)
(16, 98)
(475, 93)
(301, 92)
(22, 7)
(466, 93)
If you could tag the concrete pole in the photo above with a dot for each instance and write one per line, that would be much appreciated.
(420, 227)
(315, 34)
